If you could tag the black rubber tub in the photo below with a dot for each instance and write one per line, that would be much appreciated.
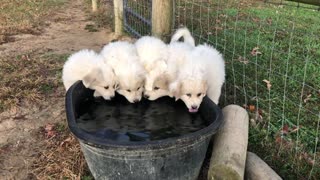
(173, 158)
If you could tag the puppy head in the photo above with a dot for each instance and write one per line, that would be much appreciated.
(131, 86)
(190, 91)
(154, 71)
(103, 81)
(160, 89)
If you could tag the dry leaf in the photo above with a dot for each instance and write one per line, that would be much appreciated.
(255, 19)
(255, 51)
(259, 116)
(49, 127)
(252, 108)
(268, 84)
(269, 21)
(307, 98)
(49, 131)
(243, 60)
(294, 129)
(285, 129)
(69, 139)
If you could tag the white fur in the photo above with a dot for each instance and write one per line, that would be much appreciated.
(122, 57)
(88, 66)
(202, 64)
(176, 55)
(185, 33)
(152, 54)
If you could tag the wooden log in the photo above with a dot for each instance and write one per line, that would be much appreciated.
(257, 169)
(162, 18)
(94, 5)
(118, 17)
(230, 145)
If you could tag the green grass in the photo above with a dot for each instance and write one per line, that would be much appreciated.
(288, 38)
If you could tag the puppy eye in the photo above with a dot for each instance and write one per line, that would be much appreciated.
(138, 88)
(199, 94)
(156, 88)
(189, 95)
(128, 90)
(107, 87)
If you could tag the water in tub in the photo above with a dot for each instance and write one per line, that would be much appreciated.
(119, 120)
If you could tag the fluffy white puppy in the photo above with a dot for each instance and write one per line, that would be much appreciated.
(88, 66)
(202, 73)
(152, 54)
(177, 52)
(122, 57)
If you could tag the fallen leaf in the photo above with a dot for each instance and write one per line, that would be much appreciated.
(259, 116)
(69, 139)
(278, 139)
(49, 127)
(268, 84)
(243, 60)
(252, 108)
(269, 21)
(307, 98)
(294, 129)
(255, 19)
(49, 131)
(51, 134)
(285, 129)
(255, 51)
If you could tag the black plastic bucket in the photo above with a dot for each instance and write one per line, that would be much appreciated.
(173, 158)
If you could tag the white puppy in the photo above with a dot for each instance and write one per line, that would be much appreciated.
(203, 73)
(177, 52)
(122, 57)
(152, 54)
(88, 66)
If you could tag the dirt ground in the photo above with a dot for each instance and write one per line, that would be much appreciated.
(19, 126)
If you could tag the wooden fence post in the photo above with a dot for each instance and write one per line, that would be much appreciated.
(94, 5)
(118, 17)
(162, 17)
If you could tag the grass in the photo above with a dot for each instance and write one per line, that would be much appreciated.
(102, 18)
(284, 118)
(61, 157)
(29, 77)
(26, 17)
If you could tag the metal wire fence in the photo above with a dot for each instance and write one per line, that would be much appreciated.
(137, 17)
(272, 55)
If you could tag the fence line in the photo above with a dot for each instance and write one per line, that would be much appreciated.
(272, 55)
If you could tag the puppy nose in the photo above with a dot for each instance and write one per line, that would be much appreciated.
(146, 96)
(194, 107)
(136, 100)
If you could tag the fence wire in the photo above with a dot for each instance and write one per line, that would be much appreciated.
(272, 54)
(137, 17)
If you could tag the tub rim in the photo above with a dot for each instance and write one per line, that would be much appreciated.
(91, 140)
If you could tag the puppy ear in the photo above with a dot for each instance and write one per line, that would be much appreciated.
(174, 89)
(91, 77)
